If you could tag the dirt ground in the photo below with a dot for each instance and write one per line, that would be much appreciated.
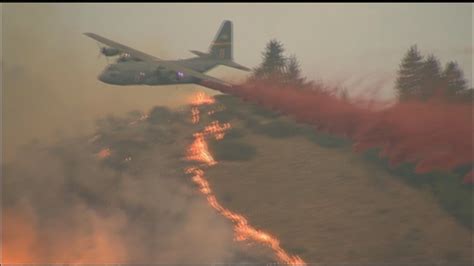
(328, 205)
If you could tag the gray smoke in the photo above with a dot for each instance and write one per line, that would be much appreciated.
(62, 203)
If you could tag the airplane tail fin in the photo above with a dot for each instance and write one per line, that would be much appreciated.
(221, 47)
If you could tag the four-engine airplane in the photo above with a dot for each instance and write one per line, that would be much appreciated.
(137, 68)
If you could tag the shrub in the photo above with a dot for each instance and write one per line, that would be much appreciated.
(325, 139)
(163, 115)
(265, 113)
(232, 150)
(277, 129)
(234, 133)
(224, 115)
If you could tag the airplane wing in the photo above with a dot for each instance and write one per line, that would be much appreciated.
(149, 58)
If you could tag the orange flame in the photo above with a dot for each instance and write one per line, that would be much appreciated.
(198, 151)
(104, 153)
(194, 115)
(216, 129)
(201, 98)
(242, 230)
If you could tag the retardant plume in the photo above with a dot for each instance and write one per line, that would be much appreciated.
(436, 135)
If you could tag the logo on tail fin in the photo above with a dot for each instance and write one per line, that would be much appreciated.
(221, 47)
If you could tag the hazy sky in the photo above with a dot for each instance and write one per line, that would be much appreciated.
(50, 68)
(331, 40)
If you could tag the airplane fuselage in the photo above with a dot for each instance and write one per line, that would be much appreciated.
(129, 71)
(134, 67)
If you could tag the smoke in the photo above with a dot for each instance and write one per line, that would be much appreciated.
(61, 202)
(435, 135)
(65, 204)
(51, 90)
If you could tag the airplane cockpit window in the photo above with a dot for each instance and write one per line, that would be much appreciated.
(112, 67)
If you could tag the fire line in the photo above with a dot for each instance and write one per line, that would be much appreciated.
(199, 152)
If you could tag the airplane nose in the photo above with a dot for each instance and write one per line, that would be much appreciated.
(104, 77)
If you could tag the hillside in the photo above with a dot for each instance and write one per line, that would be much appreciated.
(127, 188)
(325, 202)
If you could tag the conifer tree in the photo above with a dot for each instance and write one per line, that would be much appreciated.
(293, 72)
(408, 83)
(273, 64)
(430, 77)
(454, 81)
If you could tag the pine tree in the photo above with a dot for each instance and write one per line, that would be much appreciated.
(273, 64)
(408, 83)
(430, 77)
(454, 81)
(293, 72)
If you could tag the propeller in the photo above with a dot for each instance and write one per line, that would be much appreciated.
(101, 49)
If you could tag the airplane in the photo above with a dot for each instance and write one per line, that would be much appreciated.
(134, 67)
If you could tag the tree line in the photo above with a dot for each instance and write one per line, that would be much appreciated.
(422, 78)
(418, 78)
(278, 68)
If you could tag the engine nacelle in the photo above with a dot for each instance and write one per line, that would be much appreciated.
(169, 74)
(109, 51)
(174, 76)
